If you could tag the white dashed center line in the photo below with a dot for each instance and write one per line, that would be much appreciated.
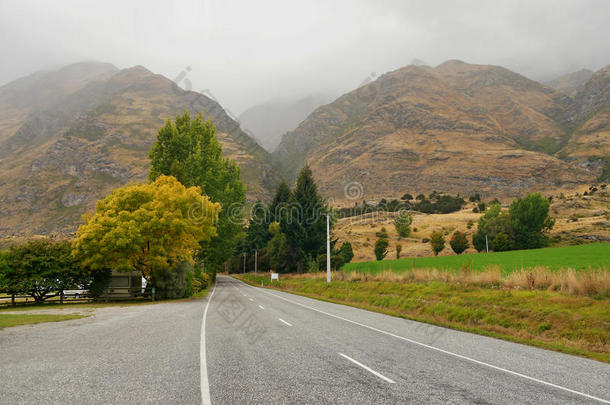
(283, 321)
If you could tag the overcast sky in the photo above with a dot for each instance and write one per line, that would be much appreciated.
(246, 52)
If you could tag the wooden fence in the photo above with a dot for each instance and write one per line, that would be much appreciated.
(111, 294)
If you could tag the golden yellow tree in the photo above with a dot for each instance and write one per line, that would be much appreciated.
(139, 227)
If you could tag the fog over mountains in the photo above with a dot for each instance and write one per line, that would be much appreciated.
(68, 137)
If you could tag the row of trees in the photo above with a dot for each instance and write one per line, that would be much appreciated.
(289, 234)
(434, 203)
(524, 225)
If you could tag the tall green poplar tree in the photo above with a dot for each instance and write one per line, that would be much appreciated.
(189, 150)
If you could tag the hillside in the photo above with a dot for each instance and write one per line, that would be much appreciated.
(267, 122)
(580, 219)
(570, 82)
(69, 137)
(457, 128)
(589, 121)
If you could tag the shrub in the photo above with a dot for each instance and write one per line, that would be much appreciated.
(478, 241)
(500, 242)
(398, 250)
(481, 206)
(43, 268)
(383, 233)
(346, 252)
(437, 241)
(402, 223)
(406, 197)
(458, 242)
(173, 281)
(381, 248)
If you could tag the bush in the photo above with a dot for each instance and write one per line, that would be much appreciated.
(402, 223)
(398, 250)
(478, 241)
(43, 268)
(100, 280)
(437, 241)
(458, 242)
(475, 198)
(500, 242)
(381, 248)
(406, 197)
(481, 206)
(346, 252)
(383, 233)
(172, 282)
(439, 204)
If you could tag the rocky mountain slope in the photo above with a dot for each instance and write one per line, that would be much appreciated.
(267, 122)
(457, 128)
(570, 82)
(589, 126)
(69, 137)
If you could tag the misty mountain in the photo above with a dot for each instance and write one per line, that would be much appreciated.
(267, 122)
(570, 82)
(67, 138)
(457, 128)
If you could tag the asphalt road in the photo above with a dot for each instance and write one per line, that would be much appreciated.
(265, 346)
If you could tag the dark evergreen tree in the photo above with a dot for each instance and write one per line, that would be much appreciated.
(307, 234)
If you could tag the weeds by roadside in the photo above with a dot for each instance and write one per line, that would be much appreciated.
(562, 310)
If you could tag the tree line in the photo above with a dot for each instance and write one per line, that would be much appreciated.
(289, 233)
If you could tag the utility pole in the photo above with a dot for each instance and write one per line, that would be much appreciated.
(328, 248)
(255, 260)
(486, 245)
(244, 262)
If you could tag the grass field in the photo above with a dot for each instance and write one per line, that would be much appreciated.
(594, 255)
(568, 323)
(8, 320)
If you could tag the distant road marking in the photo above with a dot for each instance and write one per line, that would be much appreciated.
(370, 370)
(203, 366)
(482, 363)
(281, 320)
(250, 299)
(261, 307)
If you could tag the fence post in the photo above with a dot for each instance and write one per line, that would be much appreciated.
(106, 294)
(61, 297)
(152, 295)
(13, 303)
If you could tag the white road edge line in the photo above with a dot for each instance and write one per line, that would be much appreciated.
(370, 370)
(203, 366)
(261, 307)
(482, 363)
(281, 320)
(250, 299)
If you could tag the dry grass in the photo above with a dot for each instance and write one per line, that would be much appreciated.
(360, 231)
(593, 282)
